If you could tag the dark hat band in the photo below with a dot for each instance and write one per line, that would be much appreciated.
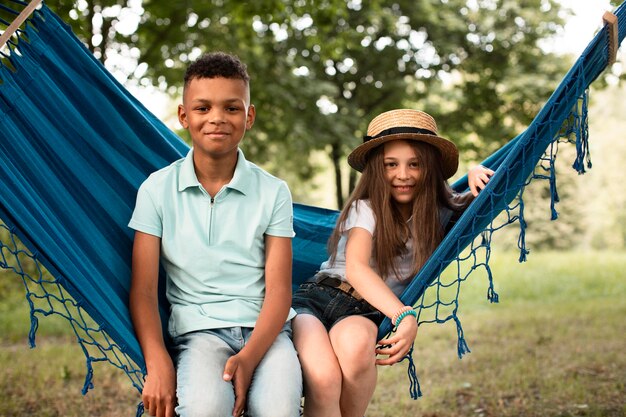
(399, 130)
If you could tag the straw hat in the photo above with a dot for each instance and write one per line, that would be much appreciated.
(405, 124)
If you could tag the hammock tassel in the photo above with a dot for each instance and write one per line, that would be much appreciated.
(34, 325)
(521, 242)
(582, 138)
(140, 409)
(88, 378)
(462, 347)
(492, 295)
(414, 385)
(554, 195)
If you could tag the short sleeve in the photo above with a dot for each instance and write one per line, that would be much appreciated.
(146, 217)
(360, 215)
(281, 223)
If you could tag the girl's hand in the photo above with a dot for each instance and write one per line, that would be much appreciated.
(398, 345)
(477, 178)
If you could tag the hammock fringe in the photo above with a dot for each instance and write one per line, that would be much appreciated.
(554, 195)
(462, 347)
(34, 325)
(88, 251)
(88, 377)
(140, 410)
(582, 136)
(521, 241)
(415, 390)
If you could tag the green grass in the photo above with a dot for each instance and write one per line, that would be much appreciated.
(554, 346)
(47, 381)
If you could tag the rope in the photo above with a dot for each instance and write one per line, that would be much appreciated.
(21, 18)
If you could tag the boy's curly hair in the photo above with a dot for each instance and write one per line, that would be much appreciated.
(217, 64)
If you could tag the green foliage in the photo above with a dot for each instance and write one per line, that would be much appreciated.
(322, 69)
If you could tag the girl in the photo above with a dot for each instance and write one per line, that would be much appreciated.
(392, 222)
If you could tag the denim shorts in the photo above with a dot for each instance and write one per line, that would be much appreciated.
(330, 304)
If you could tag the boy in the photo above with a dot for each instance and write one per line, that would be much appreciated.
(222, 229)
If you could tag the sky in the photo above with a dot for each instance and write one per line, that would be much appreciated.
(582, 26)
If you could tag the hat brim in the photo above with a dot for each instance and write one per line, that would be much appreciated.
(448, 150)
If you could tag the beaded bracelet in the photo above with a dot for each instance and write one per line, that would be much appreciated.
(402, 315)
(402, 309)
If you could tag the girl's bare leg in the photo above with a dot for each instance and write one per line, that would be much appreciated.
(320, 368)
(354, 341)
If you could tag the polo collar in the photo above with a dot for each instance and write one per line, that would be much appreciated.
(241, 180)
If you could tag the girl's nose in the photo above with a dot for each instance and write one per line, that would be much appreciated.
(403, 172)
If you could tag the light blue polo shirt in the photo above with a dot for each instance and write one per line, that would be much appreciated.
(213, 250)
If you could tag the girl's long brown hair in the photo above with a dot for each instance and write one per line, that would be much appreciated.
(392, 231)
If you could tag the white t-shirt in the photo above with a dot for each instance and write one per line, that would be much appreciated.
(361, 215)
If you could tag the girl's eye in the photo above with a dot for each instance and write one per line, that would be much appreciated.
(390, 164)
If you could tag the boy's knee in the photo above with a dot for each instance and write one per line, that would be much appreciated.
(208, 403)
(276, 397)
(287, 406)
(198, 410)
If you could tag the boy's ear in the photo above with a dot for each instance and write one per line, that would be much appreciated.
(182, 116)
(250, 117)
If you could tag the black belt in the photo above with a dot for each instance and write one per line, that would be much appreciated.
(334, 281)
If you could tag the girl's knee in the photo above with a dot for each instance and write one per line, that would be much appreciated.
(354, 336)
(358, 347)
(358, 357)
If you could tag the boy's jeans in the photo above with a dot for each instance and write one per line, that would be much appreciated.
(276, 386)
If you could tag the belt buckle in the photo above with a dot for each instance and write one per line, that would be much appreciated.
(332, 281)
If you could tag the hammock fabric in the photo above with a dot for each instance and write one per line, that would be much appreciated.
(75, 146)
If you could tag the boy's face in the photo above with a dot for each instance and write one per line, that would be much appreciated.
(217, 113)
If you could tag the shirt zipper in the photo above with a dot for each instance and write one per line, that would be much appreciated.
(211, 220)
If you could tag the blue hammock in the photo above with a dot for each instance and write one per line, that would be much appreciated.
(75, 146)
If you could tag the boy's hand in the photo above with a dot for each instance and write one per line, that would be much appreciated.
(239, 371)
(397, 346)
(477, 178)
(159, 391)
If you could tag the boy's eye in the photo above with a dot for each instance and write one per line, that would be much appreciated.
(232, 109)
(202, 108)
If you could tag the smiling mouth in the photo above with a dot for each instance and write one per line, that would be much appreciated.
(403, 188)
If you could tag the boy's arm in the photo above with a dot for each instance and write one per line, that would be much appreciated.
(159, 391)
(272, 318)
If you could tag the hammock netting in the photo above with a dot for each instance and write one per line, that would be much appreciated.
(75, 146)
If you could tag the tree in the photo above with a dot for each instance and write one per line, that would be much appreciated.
(322, 68)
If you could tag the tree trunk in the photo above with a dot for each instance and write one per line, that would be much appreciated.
(352, 181)
(335, 155)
